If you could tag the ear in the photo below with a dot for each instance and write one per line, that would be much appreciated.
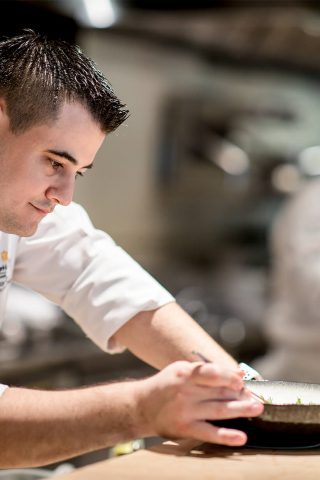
(3, 105)
(4, 119)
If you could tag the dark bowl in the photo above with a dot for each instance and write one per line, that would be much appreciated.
(292, 420)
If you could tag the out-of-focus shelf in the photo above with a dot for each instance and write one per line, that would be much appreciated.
(74, 362)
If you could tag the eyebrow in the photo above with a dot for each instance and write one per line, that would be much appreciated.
(68, 157)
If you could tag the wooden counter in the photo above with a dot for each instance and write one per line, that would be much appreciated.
(191, 461)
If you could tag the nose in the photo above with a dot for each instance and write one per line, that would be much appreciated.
(62, 191)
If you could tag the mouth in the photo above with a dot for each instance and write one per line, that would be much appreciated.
(42, 211)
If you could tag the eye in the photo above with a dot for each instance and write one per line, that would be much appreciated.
(55, 165)
(79, 174)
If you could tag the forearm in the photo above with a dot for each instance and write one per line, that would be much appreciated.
(168, 334)
(38, 427)
(41, 427)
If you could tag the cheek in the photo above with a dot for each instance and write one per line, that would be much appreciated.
(22, 176)
(28, 184)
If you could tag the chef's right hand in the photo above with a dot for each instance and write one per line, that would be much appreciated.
(178, 401)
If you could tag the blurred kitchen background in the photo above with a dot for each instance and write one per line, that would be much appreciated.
(224, 99)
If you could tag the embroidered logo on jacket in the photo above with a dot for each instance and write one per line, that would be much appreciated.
(3, 269)
(4, 256)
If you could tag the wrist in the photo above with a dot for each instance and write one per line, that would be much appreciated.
(141, 393)
(119, 412)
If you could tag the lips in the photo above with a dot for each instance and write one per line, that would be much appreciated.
(44, 211)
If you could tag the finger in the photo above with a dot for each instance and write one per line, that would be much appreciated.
(224, 393)
(196, 394)
(205, 432)
(210, 375)
(225, 410)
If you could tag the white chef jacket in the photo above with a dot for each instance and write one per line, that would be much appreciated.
(81, 269)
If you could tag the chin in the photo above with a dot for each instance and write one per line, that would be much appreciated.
(28, 231)
(20, 230)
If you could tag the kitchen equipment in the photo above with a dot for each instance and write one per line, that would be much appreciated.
(291, 416)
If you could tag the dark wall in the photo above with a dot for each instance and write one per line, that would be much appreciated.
(16, 15)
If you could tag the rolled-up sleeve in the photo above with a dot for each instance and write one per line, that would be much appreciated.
(82, 269)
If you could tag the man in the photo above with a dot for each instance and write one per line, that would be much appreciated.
(55, 110)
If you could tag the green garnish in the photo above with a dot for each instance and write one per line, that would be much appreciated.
(269, 400)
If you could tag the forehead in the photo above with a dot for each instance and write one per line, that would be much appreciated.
(74, 119)
(73, 131)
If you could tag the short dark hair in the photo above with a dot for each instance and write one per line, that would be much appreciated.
(37, 75)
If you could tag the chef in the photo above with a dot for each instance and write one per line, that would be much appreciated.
(55, 111)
